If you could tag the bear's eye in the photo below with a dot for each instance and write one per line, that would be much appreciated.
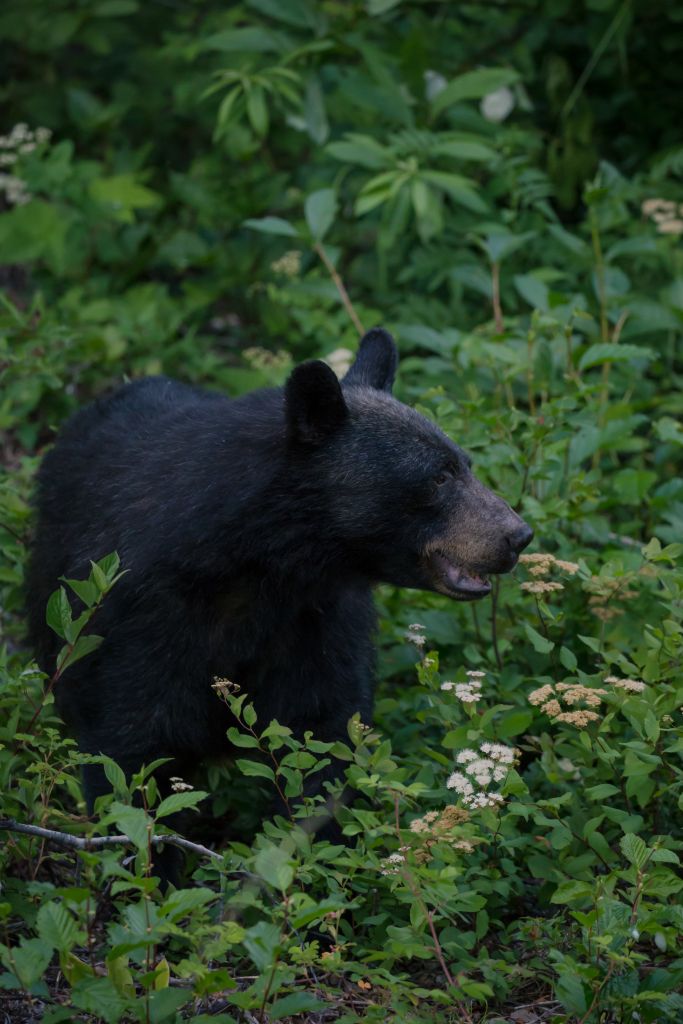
(444, 476)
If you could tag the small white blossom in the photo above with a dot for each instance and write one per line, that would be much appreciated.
(466, 755)
(461, 784)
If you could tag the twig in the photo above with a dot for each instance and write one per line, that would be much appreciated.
(95, 842)
(339, 284)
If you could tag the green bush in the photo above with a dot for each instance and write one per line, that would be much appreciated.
(216, 192)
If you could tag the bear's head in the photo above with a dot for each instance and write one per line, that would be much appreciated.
(401, 504)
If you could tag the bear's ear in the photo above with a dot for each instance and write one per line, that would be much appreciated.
(314, 403)
(376, 362)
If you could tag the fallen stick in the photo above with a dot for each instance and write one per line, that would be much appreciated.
(95, 842)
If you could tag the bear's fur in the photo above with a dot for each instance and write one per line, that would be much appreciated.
(252, 531)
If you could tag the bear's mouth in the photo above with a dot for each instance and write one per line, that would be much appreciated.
(456, 581)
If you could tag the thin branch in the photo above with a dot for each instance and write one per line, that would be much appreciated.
(339, 284)
(96, 842)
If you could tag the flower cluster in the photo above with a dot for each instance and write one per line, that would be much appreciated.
(415, 635)
(551, 698)
(264, 359)
(667, 215)
(179, 786)
(605, 591)
(224, 686)
(391, 865)
(631, 685)
(289, 265)
(489, 764)
(541, 564)
(20, 141)
(437, 826)
(468, 692)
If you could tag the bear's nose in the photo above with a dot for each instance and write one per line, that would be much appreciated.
(520, 537)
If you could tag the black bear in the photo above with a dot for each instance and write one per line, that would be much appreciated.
(253, 531)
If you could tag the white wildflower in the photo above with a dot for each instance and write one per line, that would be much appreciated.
(461, 784)
(466, 755)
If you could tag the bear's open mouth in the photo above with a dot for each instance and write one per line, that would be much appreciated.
(458, 582)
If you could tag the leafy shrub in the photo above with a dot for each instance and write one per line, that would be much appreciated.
(217, 192)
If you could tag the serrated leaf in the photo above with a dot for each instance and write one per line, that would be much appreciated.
(634, 849)
(56, 926)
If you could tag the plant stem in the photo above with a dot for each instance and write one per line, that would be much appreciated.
(494, 622)
(339, 284)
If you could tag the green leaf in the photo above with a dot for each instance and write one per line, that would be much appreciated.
(602, 791)
(460, 190)
(608, 352)
(122, 195)
(473, 85)
(29, 960)
(273, 864)
(361, 150)
(257, 110)
(100, 997)
(571, 993)
(56, 926)
(84, 645)
(58, 612)
(179, 802)
(271, 226)
(262, 942)
(296, 1002)
(634, 849)
(539, 643)
(133, 821)
(255, 769)
(320, 208)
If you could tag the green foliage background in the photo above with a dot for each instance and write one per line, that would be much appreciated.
(225, 190)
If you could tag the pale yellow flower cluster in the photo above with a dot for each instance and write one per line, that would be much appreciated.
(667, 215)
(631, 685)
(264, 359)
(434, 827)
(551, 697)
(541, 587)
(540, 564)
(289, 265)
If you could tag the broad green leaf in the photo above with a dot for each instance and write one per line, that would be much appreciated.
(320, 208)
(58, 612)
(274, 865)
(607, 352)
(634, 849)
(57, 927)
(179, 802)
(296, 1002)
(473, 85)
(540, 643)
(122, 194)
(255, 769)
(272, 226)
